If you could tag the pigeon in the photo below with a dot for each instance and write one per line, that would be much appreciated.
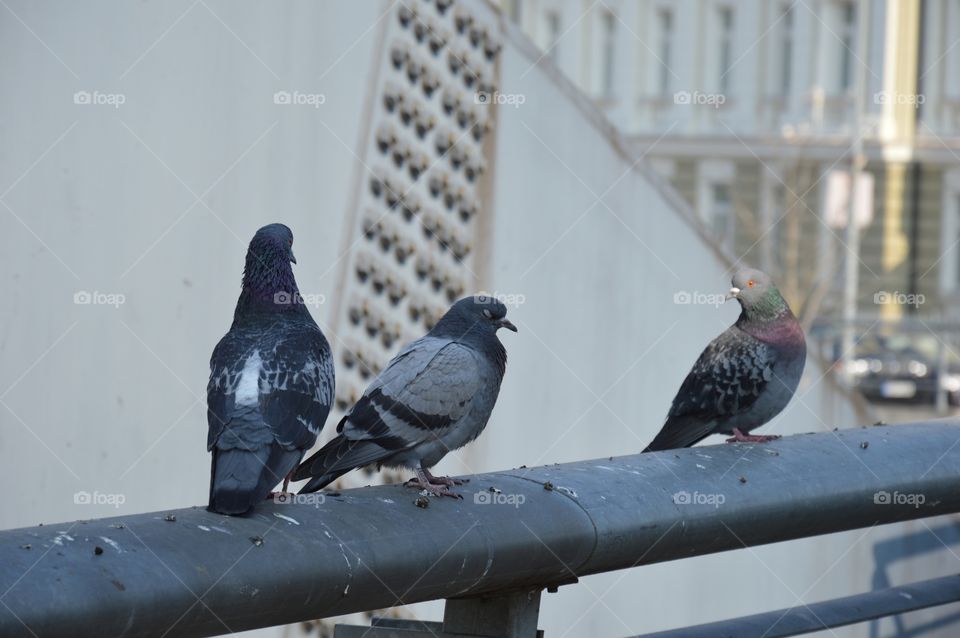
(435, 396)
(271, 381)
(746, 376)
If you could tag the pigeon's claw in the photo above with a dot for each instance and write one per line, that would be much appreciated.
(436, 485)
(740, 437)
(431, 488)
(447, 481)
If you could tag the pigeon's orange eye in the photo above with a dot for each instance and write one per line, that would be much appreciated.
(751, 283)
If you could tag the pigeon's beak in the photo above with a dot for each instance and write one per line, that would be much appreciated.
(505, 323)
(292, 258)
(733, 293)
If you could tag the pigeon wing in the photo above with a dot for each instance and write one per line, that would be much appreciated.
(421, 394)
(295, 384)
(727, 379)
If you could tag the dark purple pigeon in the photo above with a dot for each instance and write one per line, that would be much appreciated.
(271, 381)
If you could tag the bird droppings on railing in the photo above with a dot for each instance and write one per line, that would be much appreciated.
(58, 540)
(286, 518)
(112, 543)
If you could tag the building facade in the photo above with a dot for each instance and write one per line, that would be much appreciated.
(751, 110)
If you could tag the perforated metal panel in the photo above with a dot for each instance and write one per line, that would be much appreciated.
(412, 253)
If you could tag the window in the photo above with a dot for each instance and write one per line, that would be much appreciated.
(786, 49)
(552, 22)
(781, 231)
(721, 213)
(609, 22)
(848, 30)
(665, 31)
(725, 52)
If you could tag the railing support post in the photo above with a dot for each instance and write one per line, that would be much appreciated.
(512, 615)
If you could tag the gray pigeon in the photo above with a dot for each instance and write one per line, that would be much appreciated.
(271, 381)
(746, 376)
(433, 397)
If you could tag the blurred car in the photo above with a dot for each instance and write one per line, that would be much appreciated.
(905, 368)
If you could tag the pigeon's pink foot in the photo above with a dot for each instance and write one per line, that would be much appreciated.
(447, 481)
(282, 494)
(431, 488)
(436, 485)
(740, 437)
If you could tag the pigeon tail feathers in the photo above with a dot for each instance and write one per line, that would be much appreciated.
(335, 459)
(680, 432)
(242, 478)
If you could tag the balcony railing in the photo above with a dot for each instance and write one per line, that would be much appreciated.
(192, 573)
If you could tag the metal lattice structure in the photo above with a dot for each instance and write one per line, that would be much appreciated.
(419, 198)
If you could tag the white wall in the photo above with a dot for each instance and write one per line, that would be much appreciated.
(101, 200)
(112, 399)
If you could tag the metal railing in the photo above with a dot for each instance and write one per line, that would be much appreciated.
(192, 573)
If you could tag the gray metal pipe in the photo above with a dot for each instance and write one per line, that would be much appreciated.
(849, 610)
(193, 573)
